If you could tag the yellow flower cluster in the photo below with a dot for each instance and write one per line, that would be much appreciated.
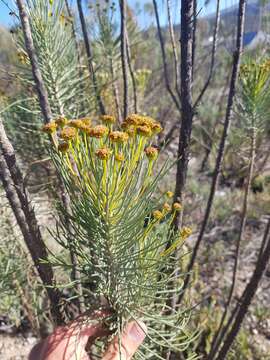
(77, 124)
(169, 194)
(61, 121)
(177, 206)
(119, 157)
(22, 57)
(108, 119)
(151, 152)
(63, 147)
(98, 131)
(103, 153)
(167, 208)
(118, 136)
(255, 76)
(157, 214)
(68, 133)
(50, 128)
(137, 129)
(185, 232)
(144, 125)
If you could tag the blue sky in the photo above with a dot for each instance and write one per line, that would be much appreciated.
(6, 19)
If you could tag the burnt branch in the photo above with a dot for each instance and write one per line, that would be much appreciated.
(186, 103)
(24, 212)
(226, 127)
(248, 294)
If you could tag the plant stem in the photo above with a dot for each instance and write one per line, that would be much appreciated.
(115, 90)
(123, 35)
(175, 56)
(164, 59)
(24, 212)
(29, 43)
(213, 56)
(217, 339)
(132, 75)
(248, 295)
(90, 58)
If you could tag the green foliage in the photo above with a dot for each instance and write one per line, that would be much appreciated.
(56, 51)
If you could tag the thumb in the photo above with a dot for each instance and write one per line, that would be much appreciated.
(131, 339)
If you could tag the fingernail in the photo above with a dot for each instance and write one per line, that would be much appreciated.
(137, 332)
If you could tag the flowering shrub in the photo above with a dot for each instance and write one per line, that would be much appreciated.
(120, 227)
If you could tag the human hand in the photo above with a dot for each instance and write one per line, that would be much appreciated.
(69, 342)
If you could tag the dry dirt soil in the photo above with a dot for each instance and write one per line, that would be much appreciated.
(15, 347)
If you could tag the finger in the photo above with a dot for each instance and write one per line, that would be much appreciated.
(69, 340)
(89, 327)
(131, 339)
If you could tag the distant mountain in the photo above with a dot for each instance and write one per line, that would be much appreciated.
(253, 21)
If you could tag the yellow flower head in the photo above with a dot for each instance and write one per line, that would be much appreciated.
(167, 207)
(124, 125)
(118, 136)
(23, 57)
(169, 194)
(151, 152)
(185, 232)
(68, 133)
(63, 147)
(119, 157)
(130, 130)
(98, 131)
(50, 128)
(156, 128)
(177, 206)
(77, 124)
(133, 119)
(61, 121)
(103, 153)
(86, 120)
(108, 119)
(157, 215)
(146, 121)
(144, 131)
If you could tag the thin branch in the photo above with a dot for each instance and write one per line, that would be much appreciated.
(123, 36)
(132, 75)
(217, 338)
(164, 59)
(217, 122)
(115, 90)
(220, 155)
(76, 42)
(29, 43)
(41, 89)
(175, 56)
(90, 58)
(248, 295)
(213, 56)
(194, 40)
(24, 212)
